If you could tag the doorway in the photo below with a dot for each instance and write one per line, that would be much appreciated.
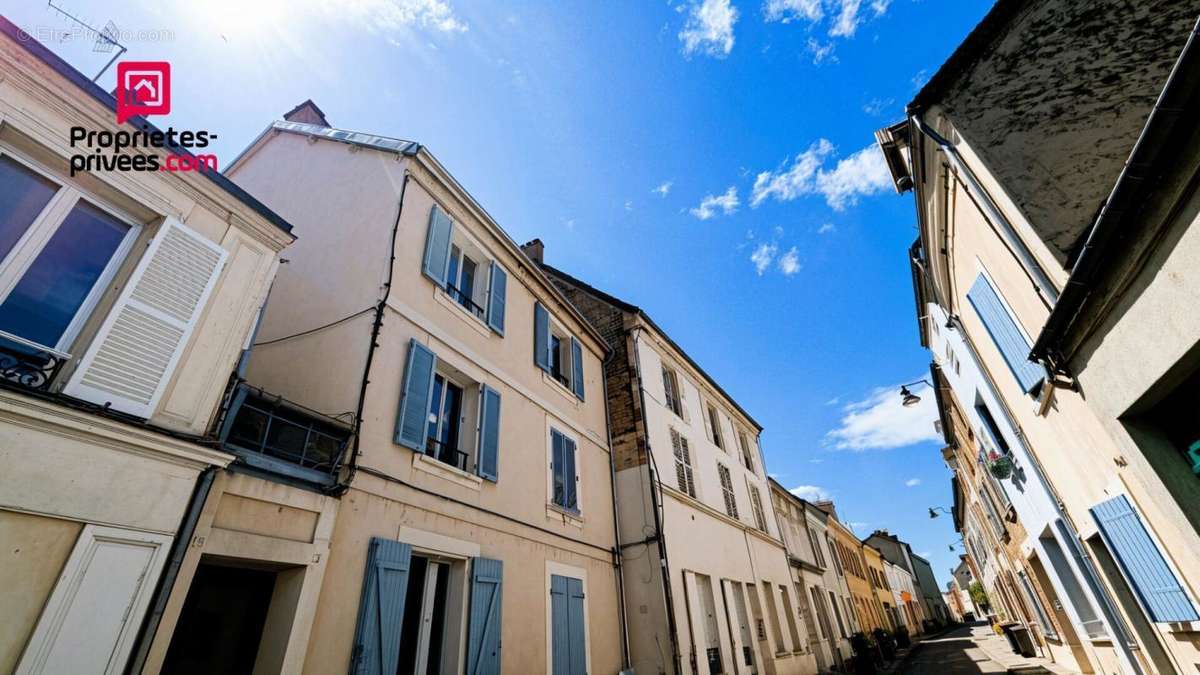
(221, 624)
(423, 630)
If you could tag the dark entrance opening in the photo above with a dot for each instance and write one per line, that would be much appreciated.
(222, 621)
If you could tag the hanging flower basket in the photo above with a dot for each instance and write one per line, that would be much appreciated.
(1000, 466)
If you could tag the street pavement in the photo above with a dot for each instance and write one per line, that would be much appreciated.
(971, 650)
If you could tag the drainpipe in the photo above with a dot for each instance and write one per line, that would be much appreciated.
(1008, 233)
(376, 327)
(619, 551)
(166, 584)
(1065, 526)
(664, 562)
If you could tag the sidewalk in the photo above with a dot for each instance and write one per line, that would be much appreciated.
(998, 650)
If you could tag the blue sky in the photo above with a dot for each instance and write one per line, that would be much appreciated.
(709, 161)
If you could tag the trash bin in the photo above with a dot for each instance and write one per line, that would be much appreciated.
(1023, 641)
(1007, 629)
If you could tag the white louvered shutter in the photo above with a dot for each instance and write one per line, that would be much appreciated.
(130, 362)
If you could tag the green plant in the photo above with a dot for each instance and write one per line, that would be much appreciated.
(978, 595)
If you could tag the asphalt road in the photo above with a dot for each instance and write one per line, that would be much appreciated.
(954, 653)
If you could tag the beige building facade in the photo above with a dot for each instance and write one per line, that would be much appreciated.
(126, 301)
(476, 527)
(1066, 293)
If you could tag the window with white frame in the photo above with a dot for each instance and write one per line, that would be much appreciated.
(462, 268)
(557, 352)
(818, 554)
(59, 249)
(714, 423)
(731, 509)
(683, 464)
(747, 456)
(564, 471)
(454, 399)
(760, 521)
(671, 392)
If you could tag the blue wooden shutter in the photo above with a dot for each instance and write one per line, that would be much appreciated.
(497, 290)
(489, 434)
(483, 633)
(568, 642)
(437, 245)
(1005, 333)
(541, 337)
(571, 500)
(1144, 567)
(414, 396)
(577, 368)
(381, 608)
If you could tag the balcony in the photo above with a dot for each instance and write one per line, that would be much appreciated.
(273, 434)
(464, 298)
(446, 454)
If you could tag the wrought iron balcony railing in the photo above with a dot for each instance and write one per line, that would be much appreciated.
(462, 298)
(28, 364)
(446, 454)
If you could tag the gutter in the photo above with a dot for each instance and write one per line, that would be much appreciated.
(619, 551)
(1041, 280)
(1126, 203)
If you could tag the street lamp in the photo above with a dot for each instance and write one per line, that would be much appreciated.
(934, 509)
(909, 399)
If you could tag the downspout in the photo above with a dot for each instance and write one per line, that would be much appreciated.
(1041, 280)
(344, 485)
(166, 584)
(1071, 535)
(619, 551)
(664, 562)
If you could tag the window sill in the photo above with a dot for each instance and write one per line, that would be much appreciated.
(476, 323)
(560, 388)
(556, 512)
(445, 471)
(1183, 627)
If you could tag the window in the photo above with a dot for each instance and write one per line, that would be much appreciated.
(461, 267)
(837, 612)
(760, 520)
(671, 391)
(747, 457)
(727, 490)
(58, 250)
(683, 464)
(1035, 601)
(833, 553)
(436, 401)
(1174, 419)
(818, 554)
(556, 352)
(1005, 333)
(714, 421)
(564, 471)
(271, 427)
(793, 630)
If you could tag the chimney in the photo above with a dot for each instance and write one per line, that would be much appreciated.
(535, 250)
(307, 113)
(828, 507)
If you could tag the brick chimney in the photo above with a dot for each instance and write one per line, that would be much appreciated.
(535, 250)
(307, 113)
(828, 507)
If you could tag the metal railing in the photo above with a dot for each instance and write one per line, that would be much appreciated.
(29, 364)
(461, 297)
(446, 454)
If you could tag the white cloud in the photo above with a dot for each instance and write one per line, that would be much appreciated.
(787, 11)
(880, 422)
(880, 7)
(664, 188)
(796, 180)
(762, 257)
(912, 482)
(826, 228)
(628, 204)
(815, 460)
(812, 493)
(847, 19)
(709, 28)
(820, 51)
(920, 78)
(858, 526)
(727, 203)
(390, 16)
(876, 107)
(789, 263)
(863, 173)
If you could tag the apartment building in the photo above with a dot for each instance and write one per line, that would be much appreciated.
(906, 609)
(1063, 294)
(877, 576)
(126, 300)
(706, 575)
(477, 530)
(819, 589)
(864, 603)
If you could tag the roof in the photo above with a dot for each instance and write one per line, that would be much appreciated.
(97, 93)
(373, 141)
(634, 309)
(1052, 94)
